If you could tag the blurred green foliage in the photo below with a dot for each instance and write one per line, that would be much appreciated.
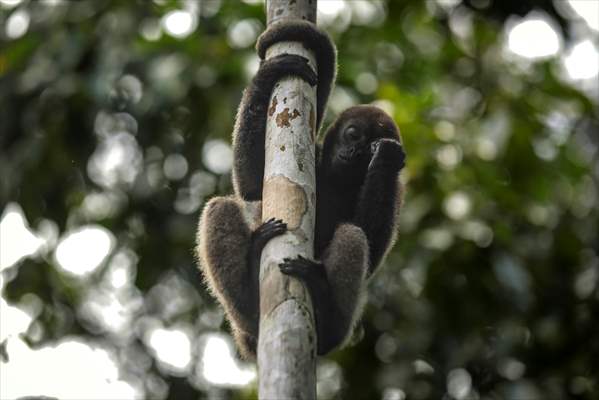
(492, 286)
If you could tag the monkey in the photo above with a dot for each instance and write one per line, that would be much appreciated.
(358, 199)
(230, 236)
(357, 208)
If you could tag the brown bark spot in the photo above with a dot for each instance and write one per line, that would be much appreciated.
(279, 11)
(285, 200)
(284, 117)
(282, 148)
(285, 100)
(273, 106)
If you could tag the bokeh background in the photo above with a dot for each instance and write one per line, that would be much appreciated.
(115, 124)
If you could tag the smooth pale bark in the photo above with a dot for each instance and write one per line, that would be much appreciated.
(287, 342)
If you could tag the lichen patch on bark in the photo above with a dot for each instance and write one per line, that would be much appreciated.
(284, 117)
(285, 200)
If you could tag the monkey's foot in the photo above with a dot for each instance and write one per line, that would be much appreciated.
(302, 268)
(268, 230)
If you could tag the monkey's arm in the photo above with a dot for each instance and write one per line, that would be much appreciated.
(314, 39)
(335, 285)
(229, 254)
(380, 197)
(250, 124)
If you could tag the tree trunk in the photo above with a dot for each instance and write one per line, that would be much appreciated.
(287, 342)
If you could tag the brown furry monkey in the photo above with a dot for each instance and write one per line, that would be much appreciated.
(358, 198)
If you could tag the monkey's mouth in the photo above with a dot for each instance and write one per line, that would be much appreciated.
(344, 157)
(347, 156)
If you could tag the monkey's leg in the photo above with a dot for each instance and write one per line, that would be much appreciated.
(335, 285)
(229, 258)
(224, 240)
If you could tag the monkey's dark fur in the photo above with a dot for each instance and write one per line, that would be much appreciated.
(358, 199)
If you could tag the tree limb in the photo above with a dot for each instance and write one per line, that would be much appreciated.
(287, 342)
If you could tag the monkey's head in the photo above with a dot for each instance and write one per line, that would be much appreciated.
(348, 144)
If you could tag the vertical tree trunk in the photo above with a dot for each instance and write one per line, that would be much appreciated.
(287, 342)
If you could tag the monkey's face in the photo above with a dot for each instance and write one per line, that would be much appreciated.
(348, 146)
(351, 147)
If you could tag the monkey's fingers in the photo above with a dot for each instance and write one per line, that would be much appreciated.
(268, 230)
(387, 152)
(402, 158)
(374, 146)
(274, 226)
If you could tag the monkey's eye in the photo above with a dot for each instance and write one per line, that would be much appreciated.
(352, 133)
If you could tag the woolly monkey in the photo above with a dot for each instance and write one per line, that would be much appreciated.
(358, 198)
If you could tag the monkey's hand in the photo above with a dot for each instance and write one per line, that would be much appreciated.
(387, 153)
(268, 230)
(304, 269)
(277, 67)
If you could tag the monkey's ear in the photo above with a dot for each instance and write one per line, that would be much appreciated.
(313, 39)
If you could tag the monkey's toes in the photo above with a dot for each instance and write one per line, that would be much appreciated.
(292, 267)
(299, 267)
